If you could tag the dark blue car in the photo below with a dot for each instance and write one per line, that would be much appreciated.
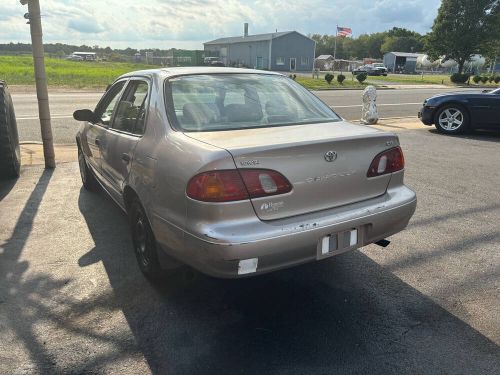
(457, 112)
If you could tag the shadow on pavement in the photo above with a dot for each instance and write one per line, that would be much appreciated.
(478, 135)
(12, 276)
(343, 315)
(6, 186)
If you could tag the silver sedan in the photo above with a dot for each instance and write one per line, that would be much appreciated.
(238, 172)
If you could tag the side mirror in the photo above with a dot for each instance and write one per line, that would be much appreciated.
(84, 115)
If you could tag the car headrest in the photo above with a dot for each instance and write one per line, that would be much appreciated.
(200, 113)
(243, 112)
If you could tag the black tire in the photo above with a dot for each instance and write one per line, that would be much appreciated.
(10, 154)
(144, 242)
(452, 112)
(88, 179)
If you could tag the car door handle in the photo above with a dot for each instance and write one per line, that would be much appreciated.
(97, 142)
(126, 158)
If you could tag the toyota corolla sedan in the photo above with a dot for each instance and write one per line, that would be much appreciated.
(238, 172)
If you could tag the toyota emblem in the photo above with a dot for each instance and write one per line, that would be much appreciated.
(330, 156)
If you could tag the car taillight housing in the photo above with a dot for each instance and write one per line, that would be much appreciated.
(387, 162)
(235, 185)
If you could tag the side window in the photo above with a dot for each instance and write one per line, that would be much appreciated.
(105, 109)
(131, 110)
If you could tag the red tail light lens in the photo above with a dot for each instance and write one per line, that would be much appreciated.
(217, 186)
(387, 162)
(234, 185)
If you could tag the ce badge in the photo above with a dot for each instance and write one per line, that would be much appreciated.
(330, 156)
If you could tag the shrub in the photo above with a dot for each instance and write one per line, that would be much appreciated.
(476, 78)
(340, 78)
(459, 78)
(491, 79)
(484, 79)
(361, 77)
(497, 79)
(329, 77)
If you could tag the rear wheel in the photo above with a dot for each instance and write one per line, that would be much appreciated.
(10, 154)
(452, 119)
(144, 242)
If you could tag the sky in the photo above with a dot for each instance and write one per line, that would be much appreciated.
(188, 23)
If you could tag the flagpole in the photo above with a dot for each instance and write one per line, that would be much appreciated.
(335, 47)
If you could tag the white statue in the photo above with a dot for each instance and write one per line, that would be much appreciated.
(369, 114)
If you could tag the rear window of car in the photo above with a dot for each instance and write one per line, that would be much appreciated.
(212, 102)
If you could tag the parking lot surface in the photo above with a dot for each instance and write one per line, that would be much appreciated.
(72, 299)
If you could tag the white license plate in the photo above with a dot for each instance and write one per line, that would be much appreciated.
(339, 242)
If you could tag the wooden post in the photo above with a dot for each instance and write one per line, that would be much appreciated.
(41, 81)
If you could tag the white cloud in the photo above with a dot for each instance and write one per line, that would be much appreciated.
(188, 23)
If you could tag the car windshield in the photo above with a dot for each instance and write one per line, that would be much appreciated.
(211, 102)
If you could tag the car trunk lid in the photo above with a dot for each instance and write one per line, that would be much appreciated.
(326, 163)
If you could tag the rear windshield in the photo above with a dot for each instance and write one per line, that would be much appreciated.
(210, 102)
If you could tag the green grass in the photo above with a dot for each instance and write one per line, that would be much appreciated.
(320, 83)
(18, 70)
(413, 79)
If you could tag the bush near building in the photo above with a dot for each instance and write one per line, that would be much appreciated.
(340, 78)
(459, 77)
(361, 77)
(329, 78)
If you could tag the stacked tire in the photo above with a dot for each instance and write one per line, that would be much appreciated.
(10, 155)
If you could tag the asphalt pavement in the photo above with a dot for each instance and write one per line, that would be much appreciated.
(72, 299)
(391, 103)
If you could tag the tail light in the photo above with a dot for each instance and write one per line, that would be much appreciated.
(387, 162)
(234, 185)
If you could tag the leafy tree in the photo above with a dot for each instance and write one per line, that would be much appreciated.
(402, 44)
(460, 29)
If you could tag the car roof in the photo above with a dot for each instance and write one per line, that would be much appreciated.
(189, 70)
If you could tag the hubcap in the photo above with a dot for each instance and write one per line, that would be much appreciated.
(451, 119)
(141, 240)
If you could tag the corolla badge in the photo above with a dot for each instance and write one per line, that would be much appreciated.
(330, 156)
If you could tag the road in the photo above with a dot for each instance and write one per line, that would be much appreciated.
(72, 299)
(391, 103)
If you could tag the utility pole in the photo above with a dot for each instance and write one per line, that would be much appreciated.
(41, 80)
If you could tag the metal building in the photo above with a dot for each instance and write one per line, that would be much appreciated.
(401, 62)
(281, 51)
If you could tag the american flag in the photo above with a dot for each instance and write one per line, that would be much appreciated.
(344, 31)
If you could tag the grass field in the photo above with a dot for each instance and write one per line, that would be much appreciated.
(413, 79)
(320, 83)
(18, 70)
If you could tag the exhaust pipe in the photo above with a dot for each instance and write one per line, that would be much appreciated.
(383, 243)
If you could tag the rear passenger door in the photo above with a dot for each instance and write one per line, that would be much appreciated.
(126, 130)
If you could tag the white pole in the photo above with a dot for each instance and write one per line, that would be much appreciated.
(41, 81)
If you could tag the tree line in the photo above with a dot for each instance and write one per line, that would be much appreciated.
(370, 45)
(461, 29)
(61, 49)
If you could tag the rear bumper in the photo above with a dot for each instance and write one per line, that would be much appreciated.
(284, 243)
(426, 115)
